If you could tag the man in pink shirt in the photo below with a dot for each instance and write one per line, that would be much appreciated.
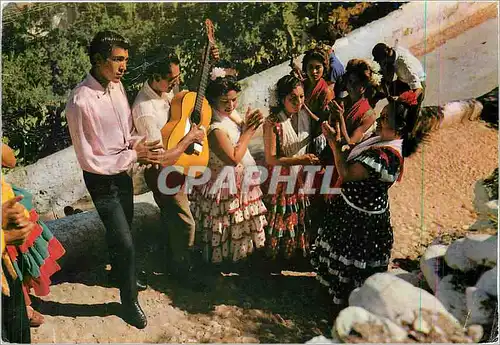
(100, 124)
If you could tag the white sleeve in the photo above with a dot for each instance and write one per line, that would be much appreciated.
(145, 122)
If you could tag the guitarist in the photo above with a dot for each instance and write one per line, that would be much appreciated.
(151, 111)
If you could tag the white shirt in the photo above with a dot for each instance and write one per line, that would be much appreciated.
(408, 68)
(151, 112)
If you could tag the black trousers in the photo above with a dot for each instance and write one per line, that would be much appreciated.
(113, 197)
(15, 322)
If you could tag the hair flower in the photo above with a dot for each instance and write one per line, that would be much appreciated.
(217, 72)
(408, 97)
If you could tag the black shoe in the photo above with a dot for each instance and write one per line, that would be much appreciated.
(134, 316)
(141, 281)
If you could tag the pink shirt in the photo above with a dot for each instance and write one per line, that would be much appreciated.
(100, 125)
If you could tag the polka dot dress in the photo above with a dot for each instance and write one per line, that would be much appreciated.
(355, 237)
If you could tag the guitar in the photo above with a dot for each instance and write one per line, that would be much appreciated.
(191, 108)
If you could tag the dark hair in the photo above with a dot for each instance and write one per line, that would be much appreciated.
(317, 54)
(161, 67)
(324, 32)
(363, 72)
(221, 86)
(284, 86)
(381, 51)
(399, 114)
(103, 43)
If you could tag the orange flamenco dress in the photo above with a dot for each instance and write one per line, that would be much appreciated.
(35, 261)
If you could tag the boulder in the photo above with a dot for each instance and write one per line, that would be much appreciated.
(411, 277)
(388, 296)
(56, 181)
(431, 263)
(322, 340)
(364, 322)
(481, 249)
(452, 295)
(488, 282)
(455, 256)
(83, 234)
(479, 305)
(475, 332)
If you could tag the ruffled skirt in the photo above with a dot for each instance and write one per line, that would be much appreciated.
(36, 260)
(229, 226)
(351, 246)
(289, 227)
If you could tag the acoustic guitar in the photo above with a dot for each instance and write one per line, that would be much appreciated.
(191, 108)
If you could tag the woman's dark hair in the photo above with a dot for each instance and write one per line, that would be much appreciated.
(399, 114)
(161, 67)
(221, 86)
(361, 69)
(284, 86)
(316, 54)
(102, 44)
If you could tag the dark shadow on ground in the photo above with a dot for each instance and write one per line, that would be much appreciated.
(75, 310)
(294, 306)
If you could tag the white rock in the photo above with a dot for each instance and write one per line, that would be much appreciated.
(351, 315)
(430, 264)
(320, 340)
(452, 298)
(478, 306)
(410, 277)
(481, 198)
(492, 206)
(475, 332)
(488, 282)
(388, 296)
(455, 256)
(420, 325)
(482, 249)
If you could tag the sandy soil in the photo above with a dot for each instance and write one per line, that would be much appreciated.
(435, 197)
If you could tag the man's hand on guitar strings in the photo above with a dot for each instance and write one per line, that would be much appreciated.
(195, 134)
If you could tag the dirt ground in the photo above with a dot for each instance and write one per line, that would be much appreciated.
(434, 198)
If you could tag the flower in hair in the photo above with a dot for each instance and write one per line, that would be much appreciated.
(408, 97)
(376, 79)
(217, 72)
(374, 66)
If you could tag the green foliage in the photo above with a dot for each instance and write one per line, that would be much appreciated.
(44, 52)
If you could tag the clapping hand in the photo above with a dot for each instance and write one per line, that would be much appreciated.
(16, 226)
(13, 213)
(296, 71)
(253, 119)
(309, 159)
(336, 111)
(148, 152)
(330, 133)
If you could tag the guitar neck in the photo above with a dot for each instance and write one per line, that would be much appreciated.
(200, 95)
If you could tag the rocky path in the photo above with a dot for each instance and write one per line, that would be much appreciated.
(278, 308)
